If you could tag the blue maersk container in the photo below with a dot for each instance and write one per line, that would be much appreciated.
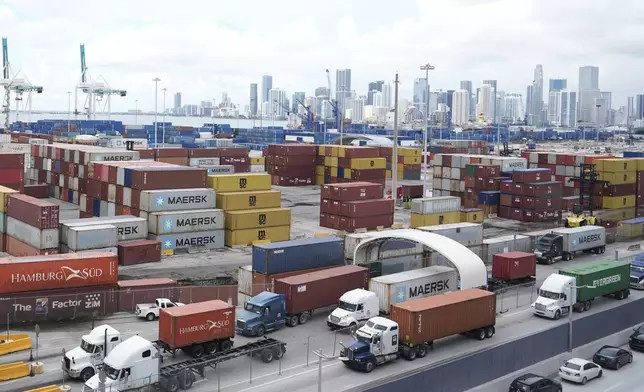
(296, 255)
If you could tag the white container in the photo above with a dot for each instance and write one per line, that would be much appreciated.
(203, 239)
(509, 243)
(257, 169)
(23, 148)
(65, 249)
(177, 199)
(122, 143)
(438, 171)
(436, 182)
(33, 236)
(66, 211)
(435, 205)
(108, 156)
(185, 221)
(245, 280)
(509, 164)
(420, 283)
(204, 162)
(81, 238)
(128, 227)
(468, 234)
(394, 265)
(576, 239)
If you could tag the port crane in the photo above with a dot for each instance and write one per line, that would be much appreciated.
(308, 119)
(17, 83)
(97, 92)
(289, 111)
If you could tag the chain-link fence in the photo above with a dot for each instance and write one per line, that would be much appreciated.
(514, 297)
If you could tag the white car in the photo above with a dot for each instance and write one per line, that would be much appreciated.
(579, 370)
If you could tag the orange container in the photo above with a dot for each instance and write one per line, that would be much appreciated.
(21, 274)
(200, 322)
(18, 248)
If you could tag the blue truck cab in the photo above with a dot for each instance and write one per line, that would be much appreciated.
(637, 274)
(264, 312)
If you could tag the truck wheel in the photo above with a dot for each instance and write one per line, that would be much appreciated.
(260, 331)
(86, 374)
(489, 332)
(210, 347)
(602, 249)
(267, 355)
(186, 380)
(173, 384)
(292, 321)
(480, 334)
(564, 257)
(368, 367)
(225, 345)
(278, 351)
(557, 315)
(411, 355)
(620, 295)
(353, 328)
(197, 351)
(422, 351)
(150, 317)
(304, 317)
(549, 261)
(587, 305)
(571, 256)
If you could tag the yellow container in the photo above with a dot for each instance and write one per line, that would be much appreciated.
(640, 164)
(618, 202)
(618, 165)
(319, 170)
(234, 201)
(630, 230)
(331, 161)
(618, 178)
(319, 180)
(252, 219)
(472, 216)
(322, 149)
(368, 163)
(408, 152)
(248, 236)
(242, 182)
(407, 160)
(334, 172)
(257, 160)
(418, 220)
(388, 173)
(4, 193)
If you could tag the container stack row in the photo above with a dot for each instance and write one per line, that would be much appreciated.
(472, 147)
(409, 164)
(483, 187)
(252, 209)
(431, 211)
(257, 165)
(342, 164)
(31, 226)
(12, 170)
(531, 196)
(223, 160)
(291, 164)
(357, 205)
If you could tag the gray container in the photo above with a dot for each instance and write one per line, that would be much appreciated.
(435, 205)
(213, 239)
(112, 156)
(468, 234)
(436, 258)
(399, 264)
(39, 239)
(185, 221)
(200, 162)
(65, 249)
(219, 169)
(177, 199)
(66, 211)
(128, 227)
(509, 243)
(82, 238)
(535, 236)
(576, 239)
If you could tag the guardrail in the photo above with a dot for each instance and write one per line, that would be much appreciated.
(14, 370)
(14, 343)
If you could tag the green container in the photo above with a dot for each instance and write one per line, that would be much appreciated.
(607, 276)
(470, 170)
(3, 222)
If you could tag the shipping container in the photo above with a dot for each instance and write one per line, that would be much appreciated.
(57, 271)
(307, 292)
(504, 244)
(223, 288)
(66, 211)
(442, 218)
(91, 237)
(241, 182)
(185, 221)
(40, 239)
(141, 291)
(252, 283)
(18, 248)
(581, 238)
(128, 227)
(244, 237)
(367, 222)
(435, 205)
(37, 306)
(419, 283)
(38, 213)
(631, 228)
(4, 197)
(38, 191)
(212, 239)
(532, 175)
(514, 265)
(233, 201)
(212, 161)
(176, 199)
(449, 314)
(271, 217)
(352, 191)
(605, 277)
(219, 169)
(109, 156)
(365, 208)
(139, 252)
(297, 255)
(165, 177)
(468, 234)
(196, 323)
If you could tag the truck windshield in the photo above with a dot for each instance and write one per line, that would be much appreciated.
(89, 347)
(549, 294)
(364, 339)
(543, 244)
(637, 268)
(347, 306)
(254, 308)
(373, 325)
(111, 373)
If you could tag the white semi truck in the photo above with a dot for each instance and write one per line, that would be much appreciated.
(83, 361)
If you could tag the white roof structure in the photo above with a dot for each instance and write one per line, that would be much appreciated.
(470, 267)
(128, 352)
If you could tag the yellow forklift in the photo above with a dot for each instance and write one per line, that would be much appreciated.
(587, 180)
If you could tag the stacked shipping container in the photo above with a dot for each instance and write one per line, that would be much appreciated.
(430, 211)
(31, 226)
(12, 169)
(482, 187)
(358, 205)
(341, 164)
(4, 198)
(257, 164)
(531, 196)
(409, 164)
(225, 160)
(291, 164)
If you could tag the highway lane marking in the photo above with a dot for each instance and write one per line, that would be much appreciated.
(279, 379)
(613, 387)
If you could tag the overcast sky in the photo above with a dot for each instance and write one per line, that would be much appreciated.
(203, 48)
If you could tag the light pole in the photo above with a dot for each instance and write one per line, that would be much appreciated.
(394, 158)
(69, 111)
(156, 83)
(426, 67)
(570, 288)
(163, 127)
(136, 111)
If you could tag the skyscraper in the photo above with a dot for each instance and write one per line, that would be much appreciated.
(461, 110)
(177, 103)
(358, 109)
(537, 96)
(467, 86)
(342, 87)
(373, 86)
(557, 84)
(420, 93)
(294, 104)
(568, 108)
(253, 99)
(322, 106)
(276, 102)
(630, 109)
(588, 92)
(528, 104)
(267, 85)
(484, 105)
(607, 96)
(639, 106)
(491, 82)
(386, 96)
(512, 108)
(554, 107)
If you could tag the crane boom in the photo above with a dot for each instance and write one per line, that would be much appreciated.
(309, 115)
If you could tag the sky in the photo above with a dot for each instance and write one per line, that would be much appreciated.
(204, 48)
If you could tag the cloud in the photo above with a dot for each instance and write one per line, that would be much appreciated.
(204, 48)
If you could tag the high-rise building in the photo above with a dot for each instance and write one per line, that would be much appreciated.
(630, 109)
(467, 86)
(491, 82)
(277, 101)
(253, 99)
(358, 109)
(386, 96)
(588, 92)
(322, 106)
(528, 103)
(420, 93)
(484, 105)
(461, 107)
(373, 86)
(639, 106)
(513, 109)
(600, 112)
(378, 99)
(537, 96)
(557, 85)
(177, 103)
(568, 108)
(554, 107)
(294, 104)
(589, 77)
(607, 96)
(342, 87)
(267, 85)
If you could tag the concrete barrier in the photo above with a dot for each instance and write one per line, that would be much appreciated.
(48, 388)
(14, 370)
(14, 343)
(551, 366)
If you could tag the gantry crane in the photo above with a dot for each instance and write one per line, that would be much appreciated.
(289, 111)
(96, 91)
(333, 103)
(308, 119)
(12, 82)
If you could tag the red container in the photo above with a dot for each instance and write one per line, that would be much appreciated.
(18, 248)
(323, 288)
(35, 212)
(233, 152)
(141, 291)
(544, 189)
(531, 176)
(365, 208)
(291, 160)
(353, 191)
(470, 182)
(58, 305)
(359, 152)
(506, 200)
(616, 190)
(330, 206)
(293, 150)
(368, 222)
(146, 153)
(57, 271)
(482, 170)
(386, 152)
(368, 174)
(541, 203)
(200, 322)
(203, 153)
(261, 282)
(11, 176)
(517, 201)
(412, 191)
(12, 160)
(514, 265)
(568, 202)
(291, 171)
(139, 252)
(540, 215)
(324, 220)
(171, 152)
(168, 178)
(39, 191)
(292, 181)
(234, 160)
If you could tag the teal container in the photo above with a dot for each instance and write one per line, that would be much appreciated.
(607, 276)
(3, 222)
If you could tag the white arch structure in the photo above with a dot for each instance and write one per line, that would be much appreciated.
(470, 267)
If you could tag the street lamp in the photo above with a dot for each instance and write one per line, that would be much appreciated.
(426, 67)
(571, 287)
(163, 127)
(156, 82)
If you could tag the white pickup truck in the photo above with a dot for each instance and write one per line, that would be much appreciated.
(151, 311)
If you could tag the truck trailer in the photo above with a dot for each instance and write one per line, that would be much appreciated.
(512, 268)
(580, 285)
(414, 325)
(565, 243)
